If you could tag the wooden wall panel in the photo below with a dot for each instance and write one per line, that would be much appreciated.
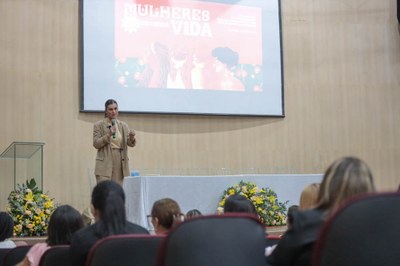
(342, 80)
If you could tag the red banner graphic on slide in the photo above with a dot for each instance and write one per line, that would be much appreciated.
(189, 27)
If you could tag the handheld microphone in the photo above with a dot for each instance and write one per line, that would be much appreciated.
(113, 124)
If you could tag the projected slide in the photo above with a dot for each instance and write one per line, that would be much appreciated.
(182, 56)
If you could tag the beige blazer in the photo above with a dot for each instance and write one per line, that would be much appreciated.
(101, 141)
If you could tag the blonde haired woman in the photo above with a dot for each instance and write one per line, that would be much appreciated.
(309, 196)
(345, 178)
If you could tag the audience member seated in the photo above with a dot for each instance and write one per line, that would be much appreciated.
(309, 196)
(165, 215)
(6, 231)
(192, 213)
(64, 221)
(289, 216)
(108, 202)
(345, 178)
(239, 203)
(289, 222)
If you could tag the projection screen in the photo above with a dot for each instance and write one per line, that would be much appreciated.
(219, 57)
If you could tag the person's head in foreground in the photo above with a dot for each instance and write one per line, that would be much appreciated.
(165, 215)
(108, 201)
(64, 222)
(192, 213)
(108, 204)
(344, 178)
(239, 203)
(309, 196)
(6, 226)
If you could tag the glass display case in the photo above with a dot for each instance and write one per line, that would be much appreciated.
(21, 161)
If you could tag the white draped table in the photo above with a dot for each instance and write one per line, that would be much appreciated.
(203, 192)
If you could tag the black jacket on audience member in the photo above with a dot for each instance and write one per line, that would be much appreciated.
(84, 239)
(295, 246)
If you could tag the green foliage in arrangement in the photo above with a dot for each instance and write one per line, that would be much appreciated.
(270, 210)
(30, 209)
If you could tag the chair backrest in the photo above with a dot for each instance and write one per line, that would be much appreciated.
(133, 250)
(211, 240)
(366, 231)
(56, 256)
(15, 255)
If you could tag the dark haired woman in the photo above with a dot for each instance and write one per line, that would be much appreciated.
(239, 203)
(192, 213)
(111, 138)
(64, 221)
(6, 231)
(108, 202)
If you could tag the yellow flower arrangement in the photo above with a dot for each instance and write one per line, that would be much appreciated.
(30, 209)
(271, 211)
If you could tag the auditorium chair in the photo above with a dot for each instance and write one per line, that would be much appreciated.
(365, 232)
(132, 250)
(56, 256)
(15, 255)
(213, 240)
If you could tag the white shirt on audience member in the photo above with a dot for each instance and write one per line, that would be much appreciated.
(7, 243)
